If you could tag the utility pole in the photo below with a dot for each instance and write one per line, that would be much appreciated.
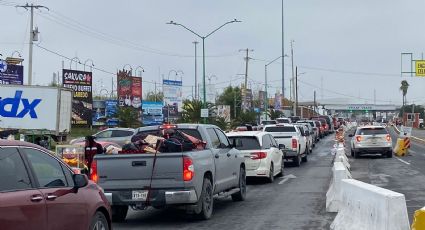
(296, 91)
(283, 54)
(245, 86)
(33, 34)
(315, 105)
(196, 70)
(292, 93)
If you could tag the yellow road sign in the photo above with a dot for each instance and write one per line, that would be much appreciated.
(420, 68)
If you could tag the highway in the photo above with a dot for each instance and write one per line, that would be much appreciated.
(401, 174)
(295, 201)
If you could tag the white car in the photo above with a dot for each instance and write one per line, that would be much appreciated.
(284, 120)
(263, 157)
(371, 139)
(306, 134)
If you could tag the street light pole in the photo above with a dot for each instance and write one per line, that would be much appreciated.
(266, 82)
(204, 103)
(196, 70)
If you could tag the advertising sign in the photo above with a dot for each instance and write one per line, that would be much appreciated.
(262, 99)
(420, 68)
(277, 101)
(129, 90)
(173, 93)
(224, 112)
(111, 112)
(80, 83)
(11, 74)
(152, 113)
(27, 108)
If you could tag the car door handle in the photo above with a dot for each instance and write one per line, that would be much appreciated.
(36, 198)
(217, 156)
(51, 197)
(228, 154)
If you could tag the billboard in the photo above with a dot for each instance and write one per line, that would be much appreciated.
(129, 90)
(247, 99)
(111, 112)
(262, 99)
(11, 74)
(277, 101)
(152, 113)
(223, 111)
(173, 94)
(80, 82)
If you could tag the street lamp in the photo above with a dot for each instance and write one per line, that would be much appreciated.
(76, 59)
(91, 66)
(19, 54)
(139, 67)
(266, 85)
(130, 68)
(203, 51)
(177, 73)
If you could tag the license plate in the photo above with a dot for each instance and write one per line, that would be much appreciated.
(140, 195)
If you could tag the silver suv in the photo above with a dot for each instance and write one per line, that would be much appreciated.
(371, 139)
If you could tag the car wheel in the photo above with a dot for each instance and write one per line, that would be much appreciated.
(119, 212)
(352, 152)
(241, 195)
(356, 154)
(206, 201)
(389, 154)
(281, 169)
(297, 160)
(271, 173)
(99, 222)
(304, 159)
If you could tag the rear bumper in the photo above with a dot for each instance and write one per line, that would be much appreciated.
(288, 154)
(373, 149)
(157, 197)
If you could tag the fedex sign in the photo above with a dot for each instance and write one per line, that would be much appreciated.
(18, 107)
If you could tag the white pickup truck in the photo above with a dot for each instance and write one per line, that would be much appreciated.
(294, 141)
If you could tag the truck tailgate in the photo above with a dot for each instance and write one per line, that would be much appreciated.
(135, 170)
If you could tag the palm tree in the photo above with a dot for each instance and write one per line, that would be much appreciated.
(403, 88)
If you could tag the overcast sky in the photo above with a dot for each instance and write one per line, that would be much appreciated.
(354, 46)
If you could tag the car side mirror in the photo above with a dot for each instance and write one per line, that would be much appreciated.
(80, 181)
(281, 146)
(350, 135)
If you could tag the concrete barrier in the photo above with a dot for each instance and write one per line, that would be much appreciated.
(419, 220)
(368, 207)
(333, 195)
(340, 156)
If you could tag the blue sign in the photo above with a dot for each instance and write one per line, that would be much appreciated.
(111, 108)
(11, 74)
(14, 104)
(152, 113)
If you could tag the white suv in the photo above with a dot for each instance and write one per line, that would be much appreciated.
(371, 139)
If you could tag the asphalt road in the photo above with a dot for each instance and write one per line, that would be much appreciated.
(405, 175)
(289, 203)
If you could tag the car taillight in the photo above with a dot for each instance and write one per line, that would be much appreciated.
(188, 169)
(321, 128)
(93, 171)
(388, 137)
(358, 138)
(294, 143)
(258, 155)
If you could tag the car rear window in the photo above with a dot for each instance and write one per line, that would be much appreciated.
(246, 143)
(371, 131)
(282, 120)
(283, 129)
(268, 122)
(142, 134)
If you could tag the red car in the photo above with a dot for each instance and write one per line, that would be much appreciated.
(39, 191)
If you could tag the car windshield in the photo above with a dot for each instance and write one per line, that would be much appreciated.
(246, 143)
(282, 129)
(371, 131)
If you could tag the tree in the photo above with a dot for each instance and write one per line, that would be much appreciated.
(275, 114)
(191, 111)
(152, 96)
(230, 96)
(403, 88)
(128, 117)
(243, 118)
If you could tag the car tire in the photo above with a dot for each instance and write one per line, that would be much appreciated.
(99, 222)
(389, 154)
(271, 173)
(297, 161)
(281, 169)
(241, 195)
(206, 201)
(352, 152)
(356, 154)
(304, 159)
(119, 212)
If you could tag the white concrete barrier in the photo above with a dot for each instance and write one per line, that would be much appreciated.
(368, 207)
(333, 196)
(342, 157)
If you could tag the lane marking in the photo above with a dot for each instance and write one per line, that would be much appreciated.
(286, 178)
(403, 161)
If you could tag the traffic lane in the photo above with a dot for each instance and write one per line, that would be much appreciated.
(288, 203)
(394, 174)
